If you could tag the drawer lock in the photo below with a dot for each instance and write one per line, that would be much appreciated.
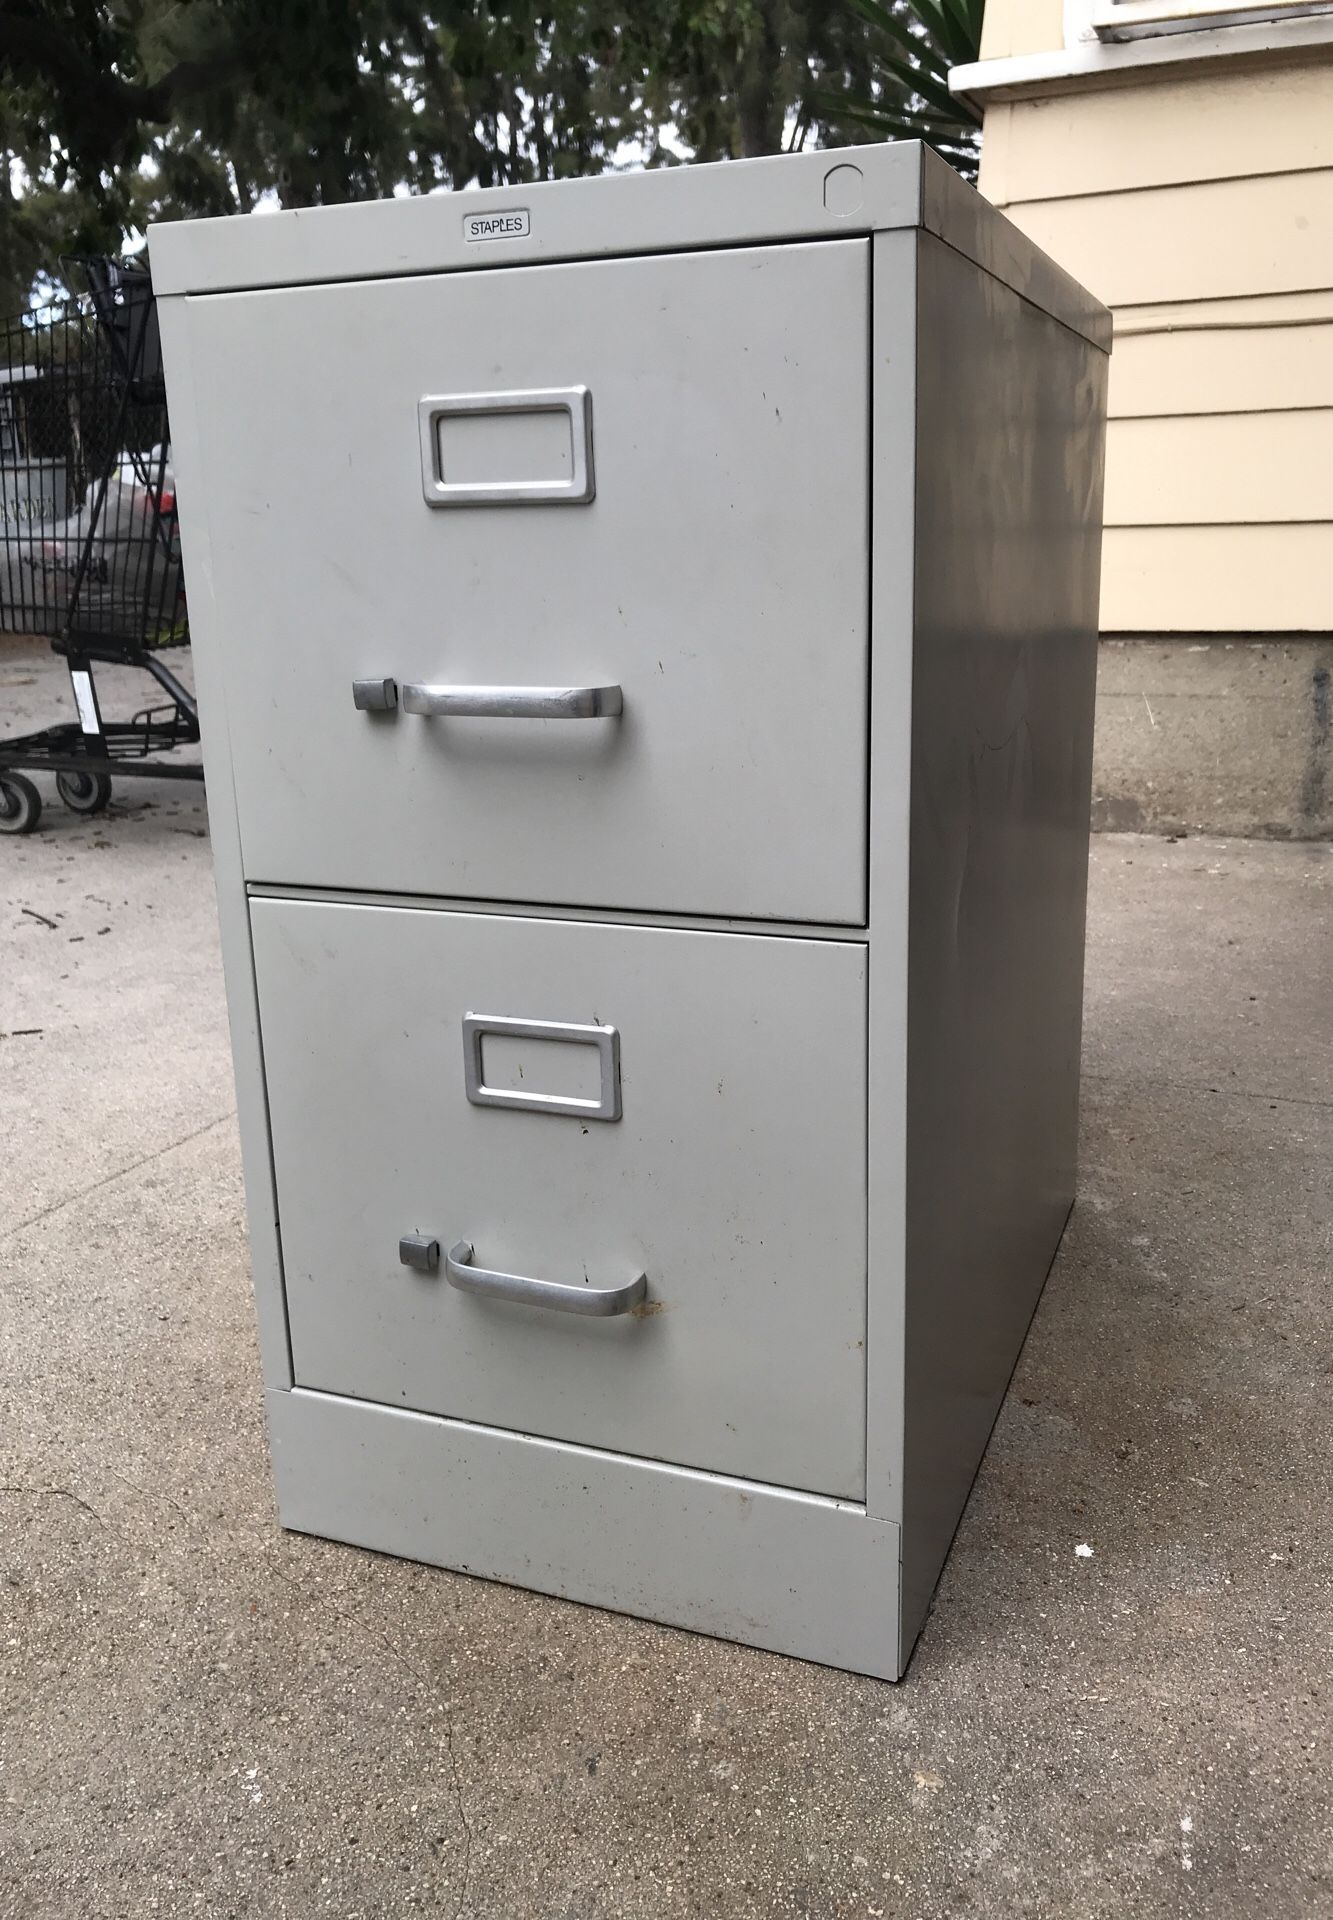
(420, 1251)
(374, 696)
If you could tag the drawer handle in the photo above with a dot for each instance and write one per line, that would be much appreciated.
(460, 1273)
(515, 703)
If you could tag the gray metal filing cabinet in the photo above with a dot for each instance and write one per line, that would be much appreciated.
(645, 632)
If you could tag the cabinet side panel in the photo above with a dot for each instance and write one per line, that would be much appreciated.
(1010, 431)
(224, 835)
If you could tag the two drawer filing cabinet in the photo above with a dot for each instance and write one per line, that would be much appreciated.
(645, 633)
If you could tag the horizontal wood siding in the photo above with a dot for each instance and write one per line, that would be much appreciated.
(1199, 242)
(1201, 211)
(1021, 26)
(1212, 126)
(1211, 367)
(1271, 579)
(1230, 469)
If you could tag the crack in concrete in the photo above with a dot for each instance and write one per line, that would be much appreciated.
(60, 1493)
(146, 1494)
(1203, 1089)
(397, 1653)
(69, 1200)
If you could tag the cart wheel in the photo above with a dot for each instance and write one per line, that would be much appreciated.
(84, 792)
(20, 804)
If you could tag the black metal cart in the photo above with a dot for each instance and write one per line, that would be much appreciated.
(89, 543)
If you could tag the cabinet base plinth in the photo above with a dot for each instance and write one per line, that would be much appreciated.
(789, 1572)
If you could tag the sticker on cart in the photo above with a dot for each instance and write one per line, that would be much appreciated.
(85, 699)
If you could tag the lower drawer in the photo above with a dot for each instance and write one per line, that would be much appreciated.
(707, 1132)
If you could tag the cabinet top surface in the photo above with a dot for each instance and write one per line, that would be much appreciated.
(851, 190)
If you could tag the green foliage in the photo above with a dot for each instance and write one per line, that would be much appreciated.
(116, 112)
(742, 77)
(112, 114)
(916, 43)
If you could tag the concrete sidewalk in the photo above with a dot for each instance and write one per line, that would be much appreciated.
(200, 1714)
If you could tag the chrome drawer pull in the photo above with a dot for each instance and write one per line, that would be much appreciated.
(515, 703)
(460, 1273)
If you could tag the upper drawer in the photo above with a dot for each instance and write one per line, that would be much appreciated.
(717, 575)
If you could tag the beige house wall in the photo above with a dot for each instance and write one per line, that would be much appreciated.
(1199, 206)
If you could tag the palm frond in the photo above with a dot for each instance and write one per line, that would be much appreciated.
(941, 32)
(931, 87)
(910, 97)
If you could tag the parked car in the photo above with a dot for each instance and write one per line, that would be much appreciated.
(131, 584)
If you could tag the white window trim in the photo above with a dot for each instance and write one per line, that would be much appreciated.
(1086, 60)
(1116, 20)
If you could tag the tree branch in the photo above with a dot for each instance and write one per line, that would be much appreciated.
(34, 48)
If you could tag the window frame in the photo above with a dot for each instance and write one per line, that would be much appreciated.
(1132, 19)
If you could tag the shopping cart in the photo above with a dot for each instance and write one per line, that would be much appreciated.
(89, 543)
